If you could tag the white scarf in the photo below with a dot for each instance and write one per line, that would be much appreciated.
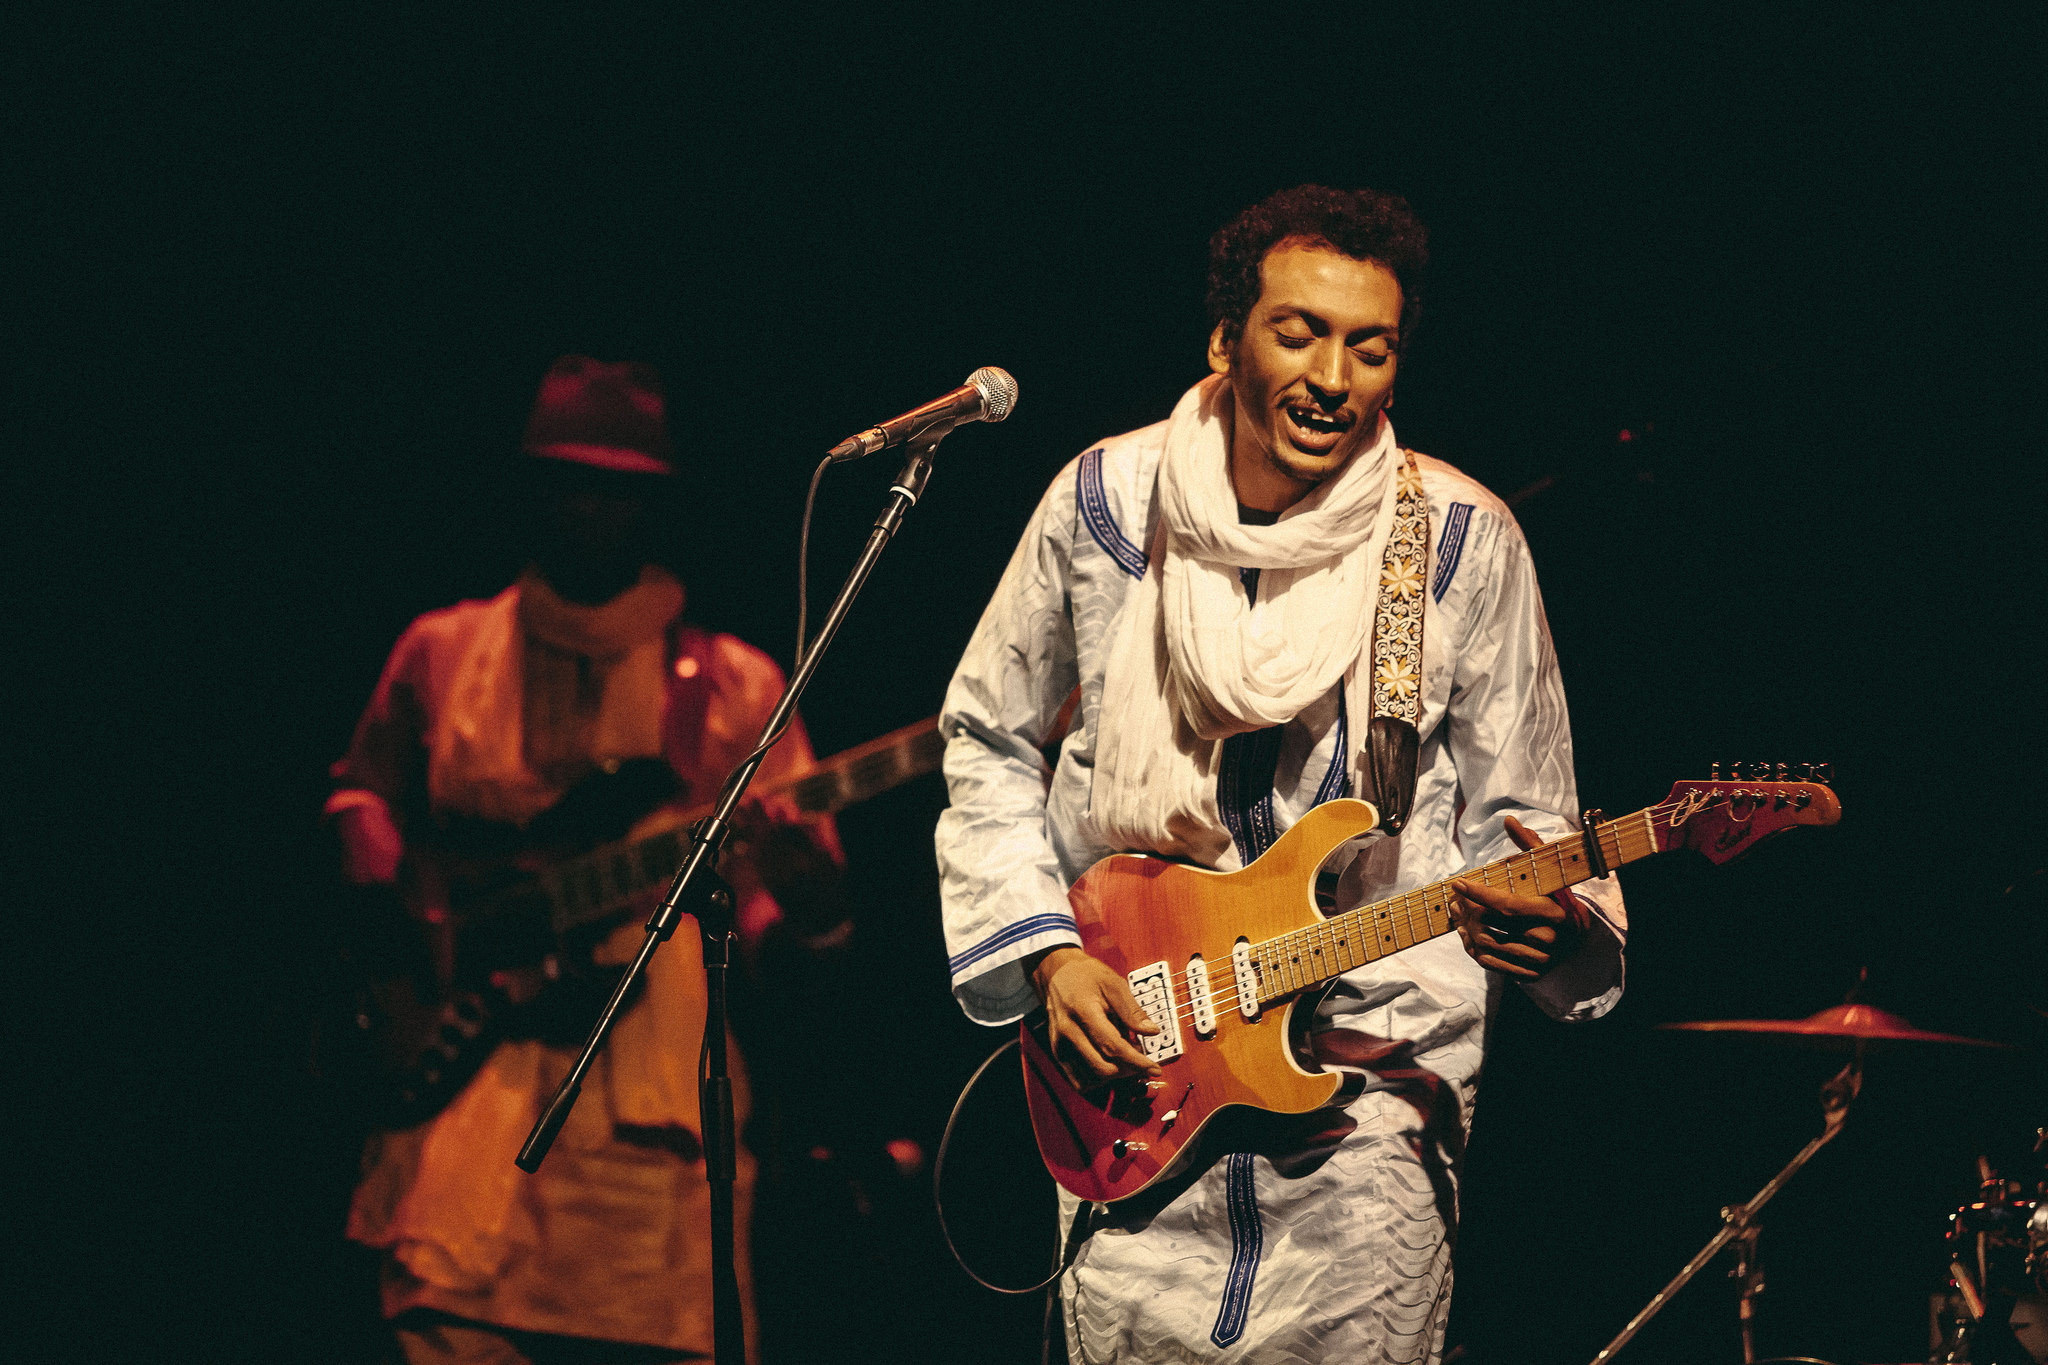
(1195, 662)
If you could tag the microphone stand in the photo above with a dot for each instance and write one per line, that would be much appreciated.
(698, 891)
(1738, 1221)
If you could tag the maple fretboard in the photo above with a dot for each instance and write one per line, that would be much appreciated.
(1309, 957)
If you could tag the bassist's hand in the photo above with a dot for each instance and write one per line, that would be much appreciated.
(1088, 1006)
(370, 843)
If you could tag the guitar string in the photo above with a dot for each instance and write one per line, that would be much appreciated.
(1227, 998)
(565, 880)
(1412, 914)
(1398, 913)
(1407, 905)
(1402, 904)
(1396, 916)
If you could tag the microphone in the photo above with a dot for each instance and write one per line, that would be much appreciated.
(987, 396)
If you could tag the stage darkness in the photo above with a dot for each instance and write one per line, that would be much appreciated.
(1738, 308)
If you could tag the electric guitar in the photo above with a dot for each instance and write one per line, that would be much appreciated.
(420, 1025)
(1222, 962)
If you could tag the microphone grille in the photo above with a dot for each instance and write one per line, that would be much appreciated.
(998, 392)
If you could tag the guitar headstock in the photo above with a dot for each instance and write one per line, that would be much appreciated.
(1723, 818)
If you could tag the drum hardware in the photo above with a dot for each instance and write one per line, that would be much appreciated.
(1996, 1254)
(1848, 1025)
(1738, 1222)
(2037, 1225)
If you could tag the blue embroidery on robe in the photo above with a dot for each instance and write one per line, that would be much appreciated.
(1101, 525)
(1337, 781)
(1244, 790)
(1450, 547)
(1247, 1241)
(1002, 938)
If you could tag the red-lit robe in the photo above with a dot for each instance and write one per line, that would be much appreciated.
(488, 710)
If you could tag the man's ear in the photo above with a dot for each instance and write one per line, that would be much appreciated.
(1221, 343)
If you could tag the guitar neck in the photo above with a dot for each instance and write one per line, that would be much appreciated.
(1307, 958)
(606, 880)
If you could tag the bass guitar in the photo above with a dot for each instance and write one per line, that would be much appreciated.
(1223, 962)
(419, 1030)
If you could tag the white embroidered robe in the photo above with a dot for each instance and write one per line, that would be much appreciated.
(1338, 1248)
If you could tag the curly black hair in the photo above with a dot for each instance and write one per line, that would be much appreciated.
(1365, 225)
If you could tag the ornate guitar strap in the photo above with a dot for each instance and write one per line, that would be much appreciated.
(1393, 739)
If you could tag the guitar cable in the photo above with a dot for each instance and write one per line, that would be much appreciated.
(1070, 1243)
(1064, 1252)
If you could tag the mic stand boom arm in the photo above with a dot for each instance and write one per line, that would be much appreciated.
(698, 891)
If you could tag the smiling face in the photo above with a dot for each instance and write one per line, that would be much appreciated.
(1310, 371)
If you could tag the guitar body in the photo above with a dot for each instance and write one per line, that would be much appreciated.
(449, 982)
(1134, 910)
(1195, 943)
(514, 931)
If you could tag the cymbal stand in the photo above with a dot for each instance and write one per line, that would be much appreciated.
(1738, 1221)
(1751, 1276)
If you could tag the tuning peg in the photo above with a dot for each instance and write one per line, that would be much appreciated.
(1805, 771)
(1713, 772)
(1784, 773)
(1824, 773)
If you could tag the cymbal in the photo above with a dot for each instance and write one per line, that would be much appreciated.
(1850, 1023)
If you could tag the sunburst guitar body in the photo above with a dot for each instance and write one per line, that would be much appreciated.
(1222, 961)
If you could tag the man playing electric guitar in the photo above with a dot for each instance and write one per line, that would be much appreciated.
(492, 724)
(1265, 604)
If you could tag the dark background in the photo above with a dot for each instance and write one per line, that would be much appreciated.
(283, 287)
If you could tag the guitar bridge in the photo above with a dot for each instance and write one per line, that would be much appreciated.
(1153, 985)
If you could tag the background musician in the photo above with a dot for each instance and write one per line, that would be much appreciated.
(488, 715)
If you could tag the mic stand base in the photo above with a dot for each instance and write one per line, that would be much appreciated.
(720, 1131)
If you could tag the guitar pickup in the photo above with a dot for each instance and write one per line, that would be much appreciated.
(1200, 1003)
(1247, 979)
(1153, 985)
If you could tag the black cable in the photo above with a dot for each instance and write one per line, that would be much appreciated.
(803, 564)
(939, 1203)
(803, 557)
(803, 583)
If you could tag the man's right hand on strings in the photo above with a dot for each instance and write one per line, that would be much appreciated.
(1088, 1008)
